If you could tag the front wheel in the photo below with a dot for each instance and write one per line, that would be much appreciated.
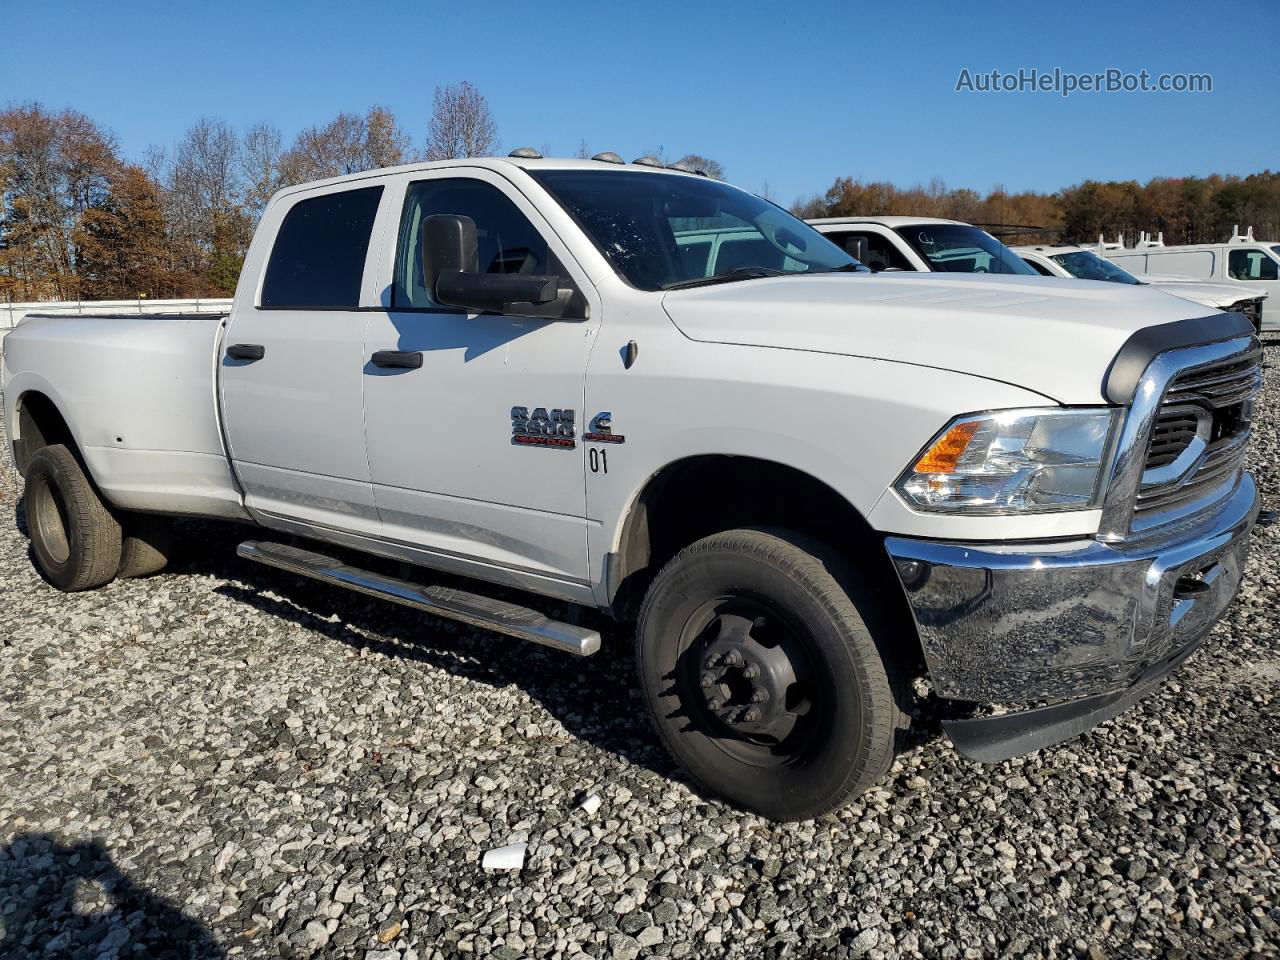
(762, 676)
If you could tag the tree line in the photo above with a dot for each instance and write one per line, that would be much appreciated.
(80, 220)
(1184, 209)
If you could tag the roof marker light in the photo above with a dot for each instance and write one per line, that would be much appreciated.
(647, 162)
(608, 157)
(525, 153)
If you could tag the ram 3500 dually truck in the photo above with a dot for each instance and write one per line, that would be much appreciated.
(805, 483)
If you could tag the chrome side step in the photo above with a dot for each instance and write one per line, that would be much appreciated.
(471, 608)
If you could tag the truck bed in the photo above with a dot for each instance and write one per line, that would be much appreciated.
(139, 394)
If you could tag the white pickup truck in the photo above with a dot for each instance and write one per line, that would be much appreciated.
(650, 393)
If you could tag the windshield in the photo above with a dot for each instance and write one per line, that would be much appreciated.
(955, 248)
(1087, 265)
(663, 230)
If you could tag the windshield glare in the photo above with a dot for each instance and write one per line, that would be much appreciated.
(1086, 265)
(954, 248)
(657, 230)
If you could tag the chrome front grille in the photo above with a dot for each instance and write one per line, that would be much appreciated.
(1198, 438)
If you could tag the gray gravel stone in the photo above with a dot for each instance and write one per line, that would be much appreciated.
(228, 761)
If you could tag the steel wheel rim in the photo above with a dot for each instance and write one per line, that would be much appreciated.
(50, 515)
(794, 715)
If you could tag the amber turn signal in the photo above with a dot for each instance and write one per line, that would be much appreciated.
(946, 451)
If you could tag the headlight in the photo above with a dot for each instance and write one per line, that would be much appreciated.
(1015, 461)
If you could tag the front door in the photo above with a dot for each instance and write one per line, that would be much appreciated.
(1256, 267)
(292, 367)
(474, 429)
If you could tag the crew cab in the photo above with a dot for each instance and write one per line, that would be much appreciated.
(1061, 260)
(805, 484)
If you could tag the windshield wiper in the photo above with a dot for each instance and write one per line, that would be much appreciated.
(738, 273)
(848, 268)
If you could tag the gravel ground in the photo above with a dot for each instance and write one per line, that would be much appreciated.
(229, 761)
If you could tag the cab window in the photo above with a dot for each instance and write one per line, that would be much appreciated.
(882, 253)
(317, 261)
(507, 241)
(1252, 265)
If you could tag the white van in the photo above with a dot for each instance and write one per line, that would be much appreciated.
(1241, 260)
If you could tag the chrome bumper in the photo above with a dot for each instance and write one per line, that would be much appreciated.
(1003, 623)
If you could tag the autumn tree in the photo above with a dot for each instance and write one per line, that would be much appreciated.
(461, 124)
(349, 143)
(53, 168)
(122, 242)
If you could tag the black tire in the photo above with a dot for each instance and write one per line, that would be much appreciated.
(781, 602)
(74, 535)
(146, 541)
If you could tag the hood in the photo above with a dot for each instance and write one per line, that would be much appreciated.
(1054, 336)
(1204, 291)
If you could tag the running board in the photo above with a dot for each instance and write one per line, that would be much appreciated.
(470, 608)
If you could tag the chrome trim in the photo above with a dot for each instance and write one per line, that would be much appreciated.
(1129, 464)
(478, 611)
(1028, 621)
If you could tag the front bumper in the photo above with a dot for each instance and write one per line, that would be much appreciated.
(1092, 623)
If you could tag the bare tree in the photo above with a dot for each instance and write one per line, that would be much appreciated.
(584, 152)
(348, 143)
(260, 153)
(711, 168)
(206, 219)
(385, 144)
(461, 124)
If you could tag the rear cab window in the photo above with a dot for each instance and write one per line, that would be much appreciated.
(318, 258)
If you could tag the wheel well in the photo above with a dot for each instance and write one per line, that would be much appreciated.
(40, 424)
(697, 497)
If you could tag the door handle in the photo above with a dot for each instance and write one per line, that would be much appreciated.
(246, 351)
(408, 359)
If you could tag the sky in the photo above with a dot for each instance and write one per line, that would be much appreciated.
(786, 97)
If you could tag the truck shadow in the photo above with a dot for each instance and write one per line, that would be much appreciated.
(72, 900)
(596, 699)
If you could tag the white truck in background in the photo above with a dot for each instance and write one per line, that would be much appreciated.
(1083, 263)
(893, 244)
(1242, 261)
(804, 483)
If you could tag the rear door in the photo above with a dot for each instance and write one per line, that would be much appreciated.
(292, 367)
(475, 446)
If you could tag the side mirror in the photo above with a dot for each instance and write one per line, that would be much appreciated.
(856, 247)
(448, 244)
(494, 292)
(451, 270)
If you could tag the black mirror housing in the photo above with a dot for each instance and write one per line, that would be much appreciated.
(448, 244)
(856, 247)
(494, 291)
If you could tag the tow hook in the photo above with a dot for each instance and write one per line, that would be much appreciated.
(1191, 586)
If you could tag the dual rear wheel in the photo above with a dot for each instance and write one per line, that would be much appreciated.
(78, 541)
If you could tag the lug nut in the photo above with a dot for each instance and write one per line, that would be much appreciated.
(708, 679)
(751, 671)
(759, 695)
(751, 716)
(715, 703)
(733, 658)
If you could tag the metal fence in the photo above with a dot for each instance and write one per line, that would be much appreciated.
(11, 313)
